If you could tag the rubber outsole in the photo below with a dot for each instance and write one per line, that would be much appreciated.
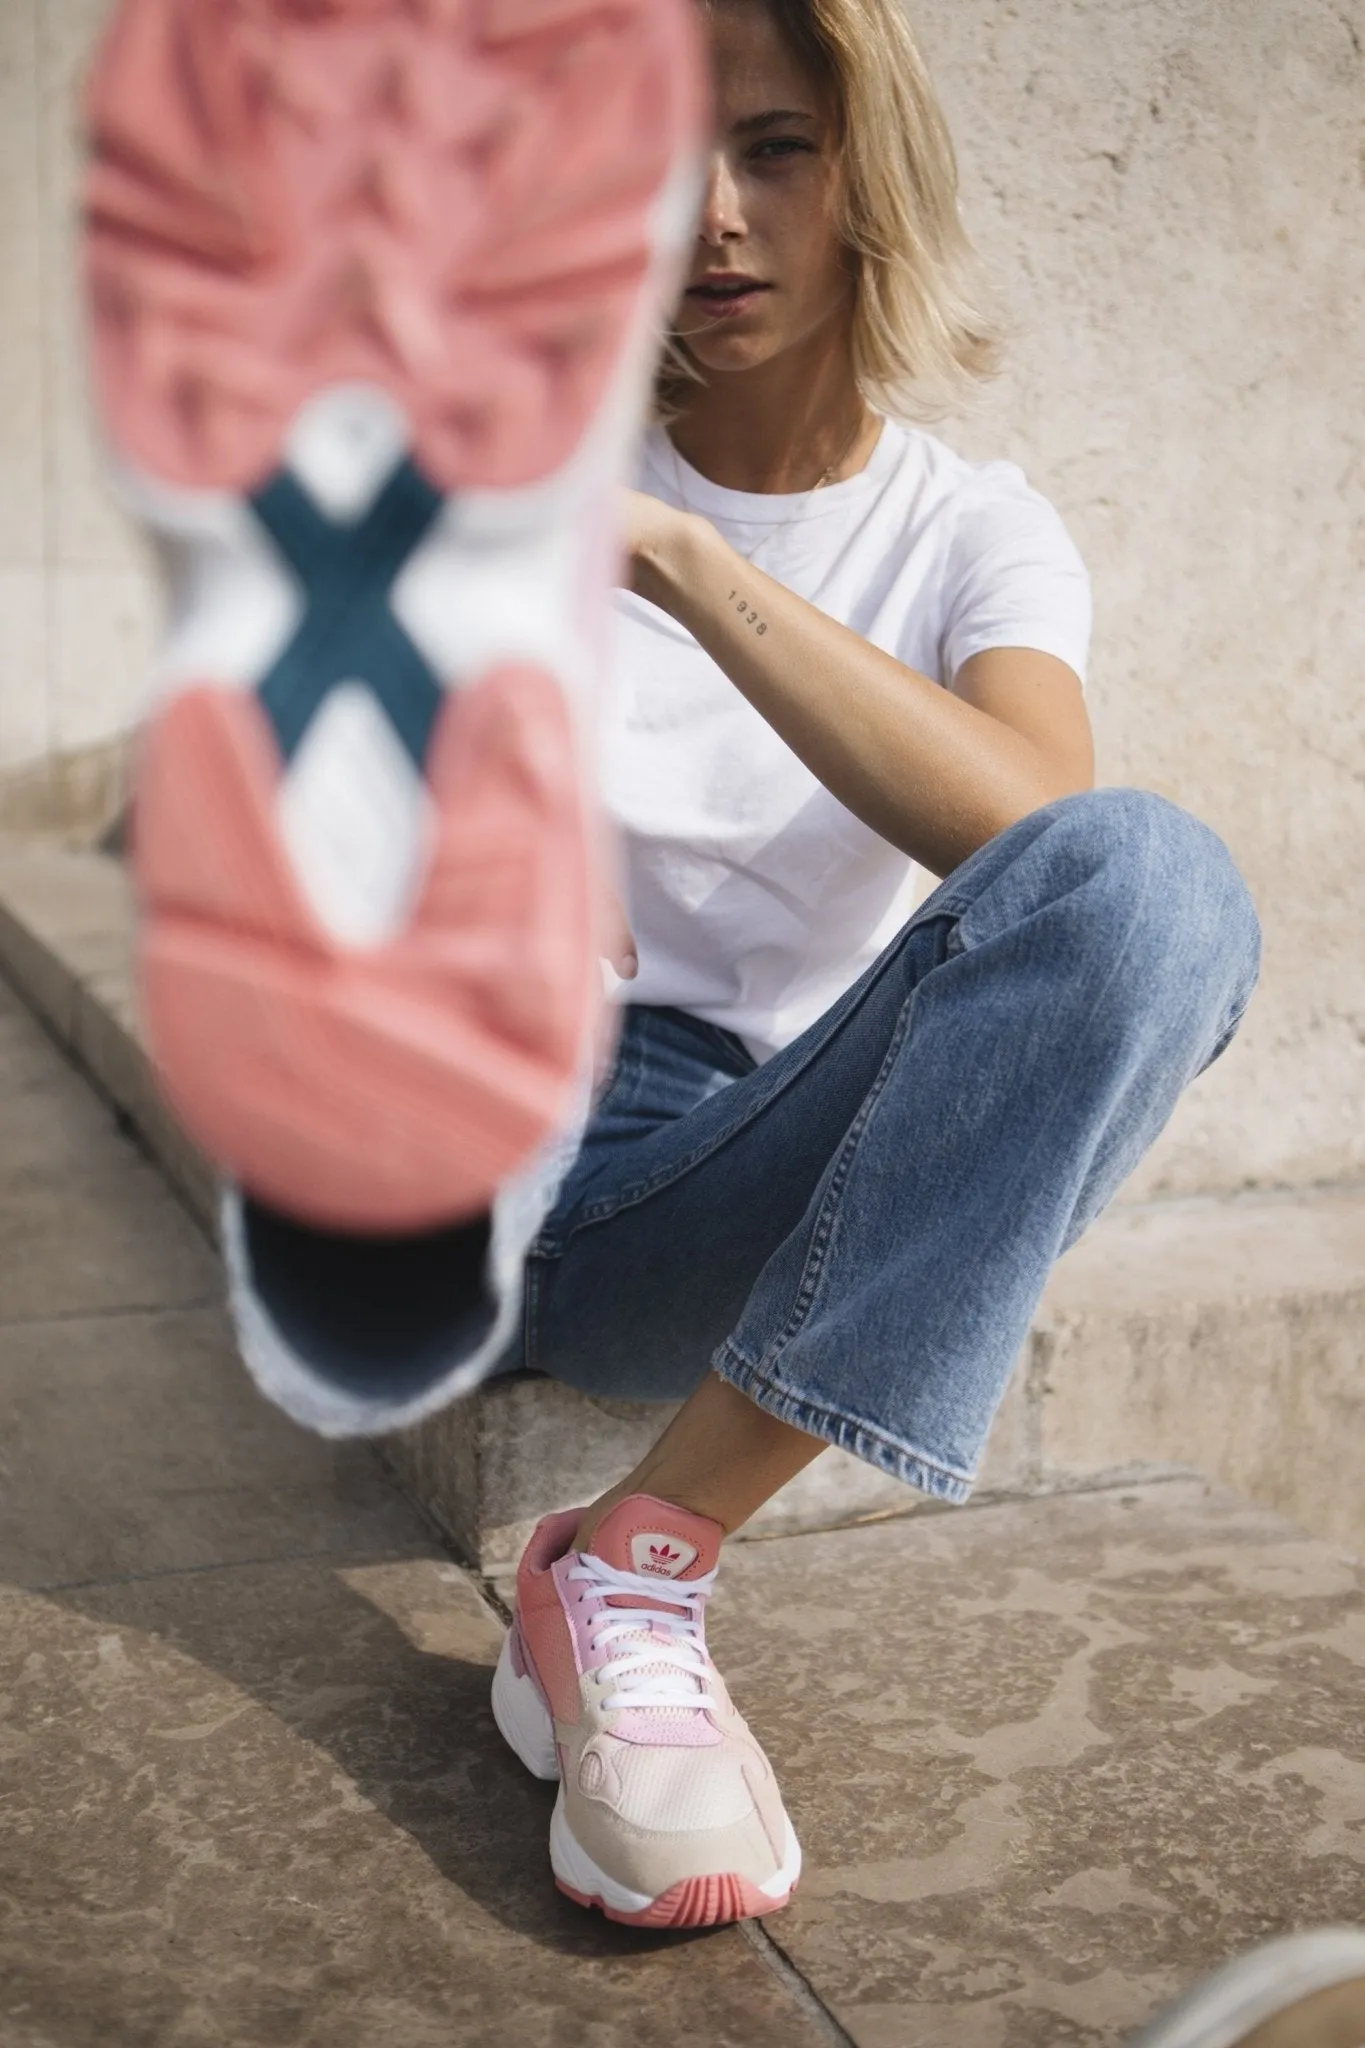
(448, 198)
(454, 204)
(696, 1902)
(387, 1087)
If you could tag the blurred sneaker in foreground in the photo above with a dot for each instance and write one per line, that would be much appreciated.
(375, 289)
(1305, 1991)
(668, 1814)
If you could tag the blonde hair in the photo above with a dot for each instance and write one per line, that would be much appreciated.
(925, 327)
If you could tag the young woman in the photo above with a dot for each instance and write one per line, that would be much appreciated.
(350, 353)
(841, 1145)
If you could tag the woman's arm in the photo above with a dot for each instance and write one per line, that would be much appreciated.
(935, 772)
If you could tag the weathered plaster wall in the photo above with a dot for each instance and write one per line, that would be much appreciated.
(1172, 194)
(77, 601)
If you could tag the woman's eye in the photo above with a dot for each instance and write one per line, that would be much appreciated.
(777, 146)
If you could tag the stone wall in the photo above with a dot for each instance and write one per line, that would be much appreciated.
(77, 597)
(1173, 198)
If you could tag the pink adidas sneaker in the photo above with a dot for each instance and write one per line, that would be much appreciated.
(376, 288)
(668, 1812)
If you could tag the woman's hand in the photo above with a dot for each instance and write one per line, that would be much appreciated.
(617, 943)
(653, 535)
(619, 940)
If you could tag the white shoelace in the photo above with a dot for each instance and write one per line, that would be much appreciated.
(666, 1664)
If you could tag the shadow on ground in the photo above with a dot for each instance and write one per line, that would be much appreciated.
(357, 1663)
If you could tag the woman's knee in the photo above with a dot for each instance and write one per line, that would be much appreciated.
(1163, 886)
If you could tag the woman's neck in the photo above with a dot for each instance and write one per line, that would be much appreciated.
(779, 427)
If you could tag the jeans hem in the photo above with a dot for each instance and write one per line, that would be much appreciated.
(846, 1432)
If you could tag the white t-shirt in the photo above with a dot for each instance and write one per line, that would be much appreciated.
(755, 897)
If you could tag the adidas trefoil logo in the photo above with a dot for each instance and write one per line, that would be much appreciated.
(658, 1556)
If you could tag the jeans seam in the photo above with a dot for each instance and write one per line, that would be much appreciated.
(825, 1221)
(1230, 1029)
(625, 1066)
(960, 944)
(1020, 1171)
(530, 1312)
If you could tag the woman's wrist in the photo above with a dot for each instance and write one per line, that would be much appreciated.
(669, 560)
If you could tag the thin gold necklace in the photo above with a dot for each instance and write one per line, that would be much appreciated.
(800, 511)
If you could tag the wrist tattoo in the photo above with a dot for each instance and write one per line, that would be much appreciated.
(747, 613)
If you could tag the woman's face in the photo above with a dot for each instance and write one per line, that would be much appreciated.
(768, 213)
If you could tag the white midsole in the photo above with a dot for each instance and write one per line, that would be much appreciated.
(520, 1713)
(526, 1727)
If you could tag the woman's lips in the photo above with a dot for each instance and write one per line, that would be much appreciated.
(724, 304)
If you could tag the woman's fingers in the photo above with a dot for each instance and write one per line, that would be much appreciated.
(620, 941)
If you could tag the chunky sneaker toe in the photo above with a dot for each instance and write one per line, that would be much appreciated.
(668, 1813)
(376, 289)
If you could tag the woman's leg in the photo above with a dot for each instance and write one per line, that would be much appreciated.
(857, 1234)
(761, 1453)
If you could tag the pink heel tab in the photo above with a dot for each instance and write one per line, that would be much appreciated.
(639, 1533)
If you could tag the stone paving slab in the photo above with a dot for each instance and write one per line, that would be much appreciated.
(1052, 1759)
(64, 915)
(267, 1808)
(136, 1444)
(131, 1441)
(86, 1221)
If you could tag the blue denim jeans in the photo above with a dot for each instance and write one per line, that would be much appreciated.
(857, 1232)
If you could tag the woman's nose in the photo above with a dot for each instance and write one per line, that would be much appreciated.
(722, 218)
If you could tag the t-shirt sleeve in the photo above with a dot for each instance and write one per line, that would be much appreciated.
(1012, 576)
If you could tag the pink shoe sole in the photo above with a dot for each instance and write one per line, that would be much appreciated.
(452, 207)
(448, 198)
(295, 1061)
(696, 1902)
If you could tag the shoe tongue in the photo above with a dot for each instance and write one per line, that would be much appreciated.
(656, 1540)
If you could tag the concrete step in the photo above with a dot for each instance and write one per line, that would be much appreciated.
(1220, 1334)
